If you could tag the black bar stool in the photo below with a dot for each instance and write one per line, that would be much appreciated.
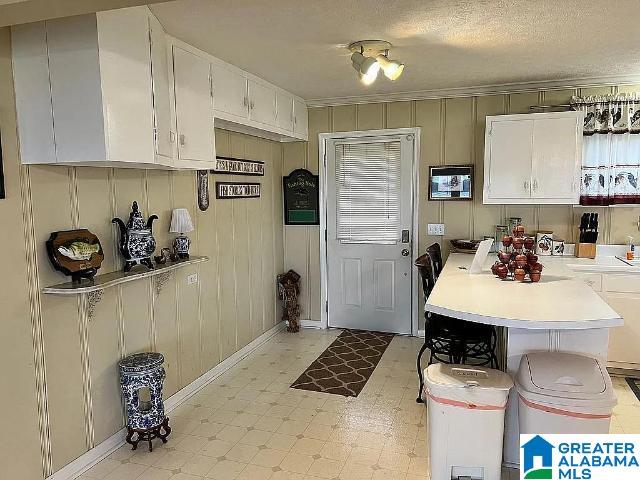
(448, 339)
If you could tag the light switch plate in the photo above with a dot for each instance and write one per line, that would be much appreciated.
(191, 279)
(435, 229)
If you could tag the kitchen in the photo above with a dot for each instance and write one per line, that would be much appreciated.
(133, 123)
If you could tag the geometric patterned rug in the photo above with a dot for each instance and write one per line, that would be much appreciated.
(346, 365)
(633, 384)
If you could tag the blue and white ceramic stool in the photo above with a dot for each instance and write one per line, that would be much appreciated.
(145, 416)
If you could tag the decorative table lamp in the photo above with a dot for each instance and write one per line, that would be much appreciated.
(141, 377)
(181, 224)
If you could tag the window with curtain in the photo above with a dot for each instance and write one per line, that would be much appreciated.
(368, 192)
(611, 149)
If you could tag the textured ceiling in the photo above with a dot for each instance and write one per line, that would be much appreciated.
(299, 44)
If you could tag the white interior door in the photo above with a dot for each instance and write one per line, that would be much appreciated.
(369, 232)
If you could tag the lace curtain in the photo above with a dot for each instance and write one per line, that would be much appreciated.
(611, 149)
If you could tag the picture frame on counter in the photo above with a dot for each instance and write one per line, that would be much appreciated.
(238, 166)
(230, 190)
(451, 182)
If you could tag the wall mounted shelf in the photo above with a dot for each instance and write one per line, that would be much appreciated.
(107, 280)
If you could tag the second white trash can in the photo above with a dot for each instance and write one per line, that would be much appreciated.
(564, 393)
(465, 409)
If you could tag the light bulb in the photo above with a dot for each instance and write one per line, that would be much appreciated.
(369, 71)
(392, 69)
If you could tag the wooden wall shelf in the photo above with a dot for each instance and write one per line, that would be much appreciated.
(107, 280)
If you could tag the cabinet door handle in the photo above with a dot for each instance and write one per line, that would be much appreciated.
(183, 140)
(535, 185)
(251, 104)
(526, 185)
(245, 102)
(172, 136)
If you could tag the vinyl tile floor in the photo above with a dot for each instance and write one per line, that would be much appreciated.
(249, 425)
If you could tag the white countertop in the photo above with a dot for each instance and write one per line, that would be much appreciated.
(558, 301)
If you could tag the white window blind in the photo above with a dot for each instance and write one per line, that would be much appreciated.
(368, 192)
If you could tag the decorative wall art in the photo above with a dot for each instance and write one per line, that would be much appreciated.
(2, 192)
(202, 178)
(451, 182)
(77, 253)
(237, 166)
(226, 190)
(301, 199)
(136, 239)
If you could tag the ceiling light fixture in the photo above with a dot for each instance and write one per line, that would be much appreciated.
(369, 56)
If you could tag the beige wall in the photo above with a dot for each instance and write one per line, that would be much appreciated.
(60, 391)
(452, 133)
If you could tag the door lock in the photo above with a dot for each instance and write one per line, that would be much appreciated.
(405, 252)
(405, 236)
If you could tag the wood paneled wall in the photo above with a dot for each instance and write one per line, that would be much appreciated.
(452, 132)
(60, 389)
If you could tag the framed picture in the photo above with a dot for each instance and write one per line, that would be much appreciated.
(2, 192)
(451, 182)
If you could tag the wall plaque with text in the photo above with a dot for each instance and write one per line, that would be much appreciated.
(301, 200)
(237, 190)
(237, 166)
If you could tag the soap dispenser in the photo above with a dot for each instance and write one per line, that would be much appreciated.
(631, 249)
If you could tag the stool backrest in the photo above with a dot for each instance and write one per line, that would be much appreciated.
(425, 268)
(435, 253)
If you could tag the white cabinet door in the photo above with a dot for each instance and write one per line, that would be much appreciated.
(285, 111)
(194, 106)
(556, 159)
(229, 91)
(507, 168)
(262, 103)
(624, 341)
(165, 137)
(301, 119)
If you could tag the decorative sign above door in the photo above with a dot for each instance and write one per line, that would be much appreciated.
(237, 190)
(237, 166)
(301, 200)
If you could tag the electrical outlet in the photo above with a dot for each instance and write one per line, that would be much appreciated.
(191, 279)
(435, 229)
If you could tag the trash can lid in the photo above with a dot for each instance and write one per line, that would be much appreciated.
(464, 376)
(565, 376)
(140, 362)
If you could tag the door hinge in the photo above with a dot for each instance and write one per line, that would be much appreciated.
(325, 159)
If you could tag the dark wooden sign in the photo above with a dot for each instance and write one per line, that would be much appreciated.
(237, 166)
(301, 199)
(237, 190)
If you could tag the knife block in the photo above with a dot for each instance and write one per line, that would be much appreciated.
(586, 250)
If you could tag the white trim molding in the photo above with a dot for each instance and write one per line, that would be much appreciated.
(105, 448)
(480, 90)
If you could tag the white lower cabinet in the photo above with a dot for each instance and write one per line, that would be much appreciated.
(622, 293)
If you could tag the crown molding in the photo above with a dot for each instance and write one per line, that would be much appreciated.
(482, 90)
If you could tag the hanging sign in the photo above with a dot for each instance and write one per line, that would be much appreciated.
(301, 200)
(237, 166)
(237, 190)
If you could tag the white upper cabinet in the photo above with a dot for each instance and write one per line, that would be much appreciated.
(533, 158)
(229, 91)
(300, 119)
(284, 111)
(247, 104)
(164, 115)
(92, 74)
(262, 103)
(194, 107)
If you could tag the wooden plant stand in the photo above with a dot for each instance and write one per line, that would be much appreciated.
(148, 434)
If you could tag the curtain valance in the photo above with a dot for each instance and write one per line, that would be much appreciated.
(609, 113)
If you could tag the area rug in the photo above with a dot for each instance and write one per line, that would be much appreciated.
(346, 365)
(634, 384)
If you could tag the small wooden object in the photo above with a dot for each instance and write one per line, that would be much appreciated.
(586, 250)
(288, 290)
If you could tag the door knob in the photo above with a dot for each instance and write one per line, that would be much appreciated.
(405, 252)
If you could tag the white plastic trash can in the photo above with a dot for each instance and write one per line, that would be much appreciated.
(465, 409)
(563, 393)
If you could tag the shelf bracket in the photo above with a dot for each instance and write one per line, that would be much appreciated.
(93, 298)
(160, 280)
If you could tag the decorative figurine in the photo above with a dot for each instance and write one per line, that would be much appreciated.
(141, 377)
(181, 224)
(288, 290)
(165, 255)
(136, 239)
(77, 253)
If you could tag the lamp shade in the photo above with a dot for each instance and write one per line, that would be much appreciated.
(181, 221)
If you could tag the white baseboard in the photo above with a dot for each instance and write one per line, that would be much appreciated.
(310, 323)
(111, 444)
